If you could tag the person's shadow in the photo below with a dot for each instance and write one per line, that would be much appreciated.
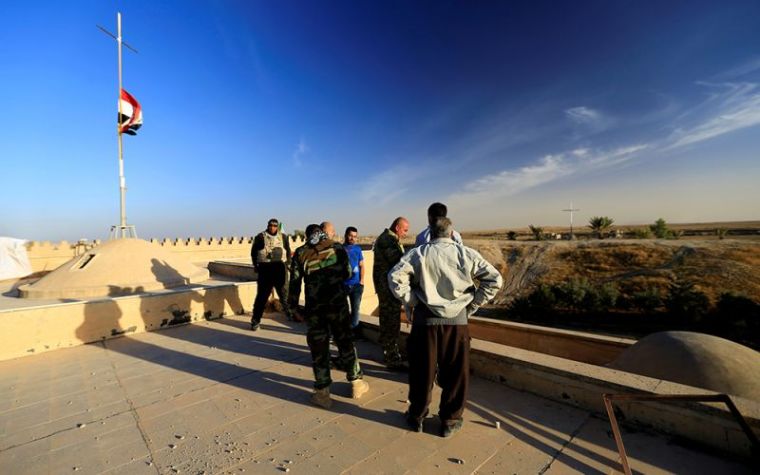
(207, 350)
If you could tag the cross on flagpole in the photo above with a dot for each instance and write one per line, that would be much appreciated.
(121, 230)
(571, 210)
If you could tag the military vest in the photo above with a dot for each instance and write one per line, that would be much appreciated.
(274, 250)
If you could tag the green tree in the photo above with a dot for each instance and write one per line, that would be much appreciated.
(660, 229)
(647, 300)
(686, 303)
(600, 225)
(512, 236)
(539, 304)
(538, 232)
(572, 293)
(739, 311)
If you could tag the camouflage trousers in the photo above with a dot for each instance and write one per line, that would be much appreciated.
(390, 326)
(322, 323)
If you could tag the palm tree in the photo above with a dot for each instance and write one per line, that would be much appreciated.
(600, 225)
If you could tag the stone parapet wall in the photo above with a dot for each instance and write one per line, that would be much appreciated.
(46, 256)
(582, 385)
(31, 330)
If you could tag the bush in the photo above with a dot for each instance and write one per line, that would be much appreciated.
(686, 303)
(597, 299)
(660, 229)
(642, 233)
(647, 300)
(538, 232)
(571, 294)
(721, 233)
(737, 310)
(608, 295)
(539, 303)
(512, 236)
(543, 298)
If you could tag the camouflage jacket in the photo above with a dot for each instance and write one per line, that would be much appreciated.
(388, 252)
(323, 269)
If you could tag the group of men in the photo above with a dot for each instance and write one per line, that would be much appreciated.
(440, 283)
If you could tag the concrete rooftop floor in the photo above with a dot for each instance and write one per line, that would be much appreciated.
(214, 397)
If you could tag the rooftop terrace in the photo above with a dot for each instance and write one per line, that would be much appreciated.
(213, 397)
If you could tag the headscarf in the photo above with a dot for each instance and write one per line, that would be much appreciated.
(316, 237)
(314, 234)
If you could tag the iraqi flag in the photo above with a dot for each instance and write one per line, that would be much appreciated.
(130, 116)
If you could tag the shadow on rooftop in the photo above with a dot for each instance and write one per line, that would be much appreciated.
(265, 380)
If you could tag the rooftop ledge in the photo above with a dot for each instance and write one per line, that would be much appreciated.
(38, 328)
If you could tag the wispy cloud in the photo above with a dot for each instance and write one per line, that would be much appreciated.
(588, 120)
(606, 158)
(583, 115)
(749, 66)
(729, 107)
(388, 185)
(511, 181)
(301, 150)
(545, 170)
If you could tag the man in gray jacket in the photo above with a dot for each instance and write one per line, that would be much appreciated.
(445, 283)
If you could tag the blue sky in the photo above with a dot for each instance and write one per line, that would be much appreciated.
(358, 112)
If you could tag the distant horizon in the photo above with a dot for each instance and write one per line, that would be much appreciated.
(579, 227)
(360, 112)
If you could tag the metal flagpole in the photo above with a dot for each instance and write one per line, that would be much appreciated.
(122, 181)
(121, 230)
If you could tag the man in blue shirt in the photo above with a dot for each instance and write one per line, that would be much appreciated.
(355, 284)
(435, 211)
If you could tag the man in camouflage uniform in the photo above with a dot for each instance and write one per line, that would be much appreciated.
(323, 266)
(388, 252)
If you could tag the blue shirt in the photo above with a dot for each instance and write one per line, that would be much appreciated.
(355, 256)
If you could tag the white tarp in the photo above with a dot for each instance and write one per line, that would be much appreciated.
(14, 262)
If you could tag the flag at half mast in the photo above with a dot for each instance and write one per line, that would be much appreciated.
(130, 114)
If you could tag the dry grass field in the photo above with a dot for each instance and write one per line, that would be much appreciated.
(715, 267)
(698, 258)
(735, 229)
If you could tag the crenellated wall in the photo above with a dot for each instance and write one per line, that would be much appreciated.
(45, 256)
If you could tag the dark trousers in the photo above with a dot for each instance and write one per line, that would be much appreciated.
(390, 325)
(355, 300)
(322, 323)
(271, 276)
(448, 347)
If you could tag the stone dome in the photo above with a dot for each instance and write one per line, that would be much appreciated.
(116, 267)
(695, 359)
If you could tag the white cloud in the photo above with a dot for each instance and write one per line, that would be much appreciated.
(388, 185)
(509, 182)
(580, 152)
(301, 150)
(485, 190)
(600, 159)
(583, 115)
(749, 66)
(733, 106)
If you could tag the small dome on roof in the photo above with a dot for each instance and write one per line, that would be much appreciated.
(695, 359)
(116, 267)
